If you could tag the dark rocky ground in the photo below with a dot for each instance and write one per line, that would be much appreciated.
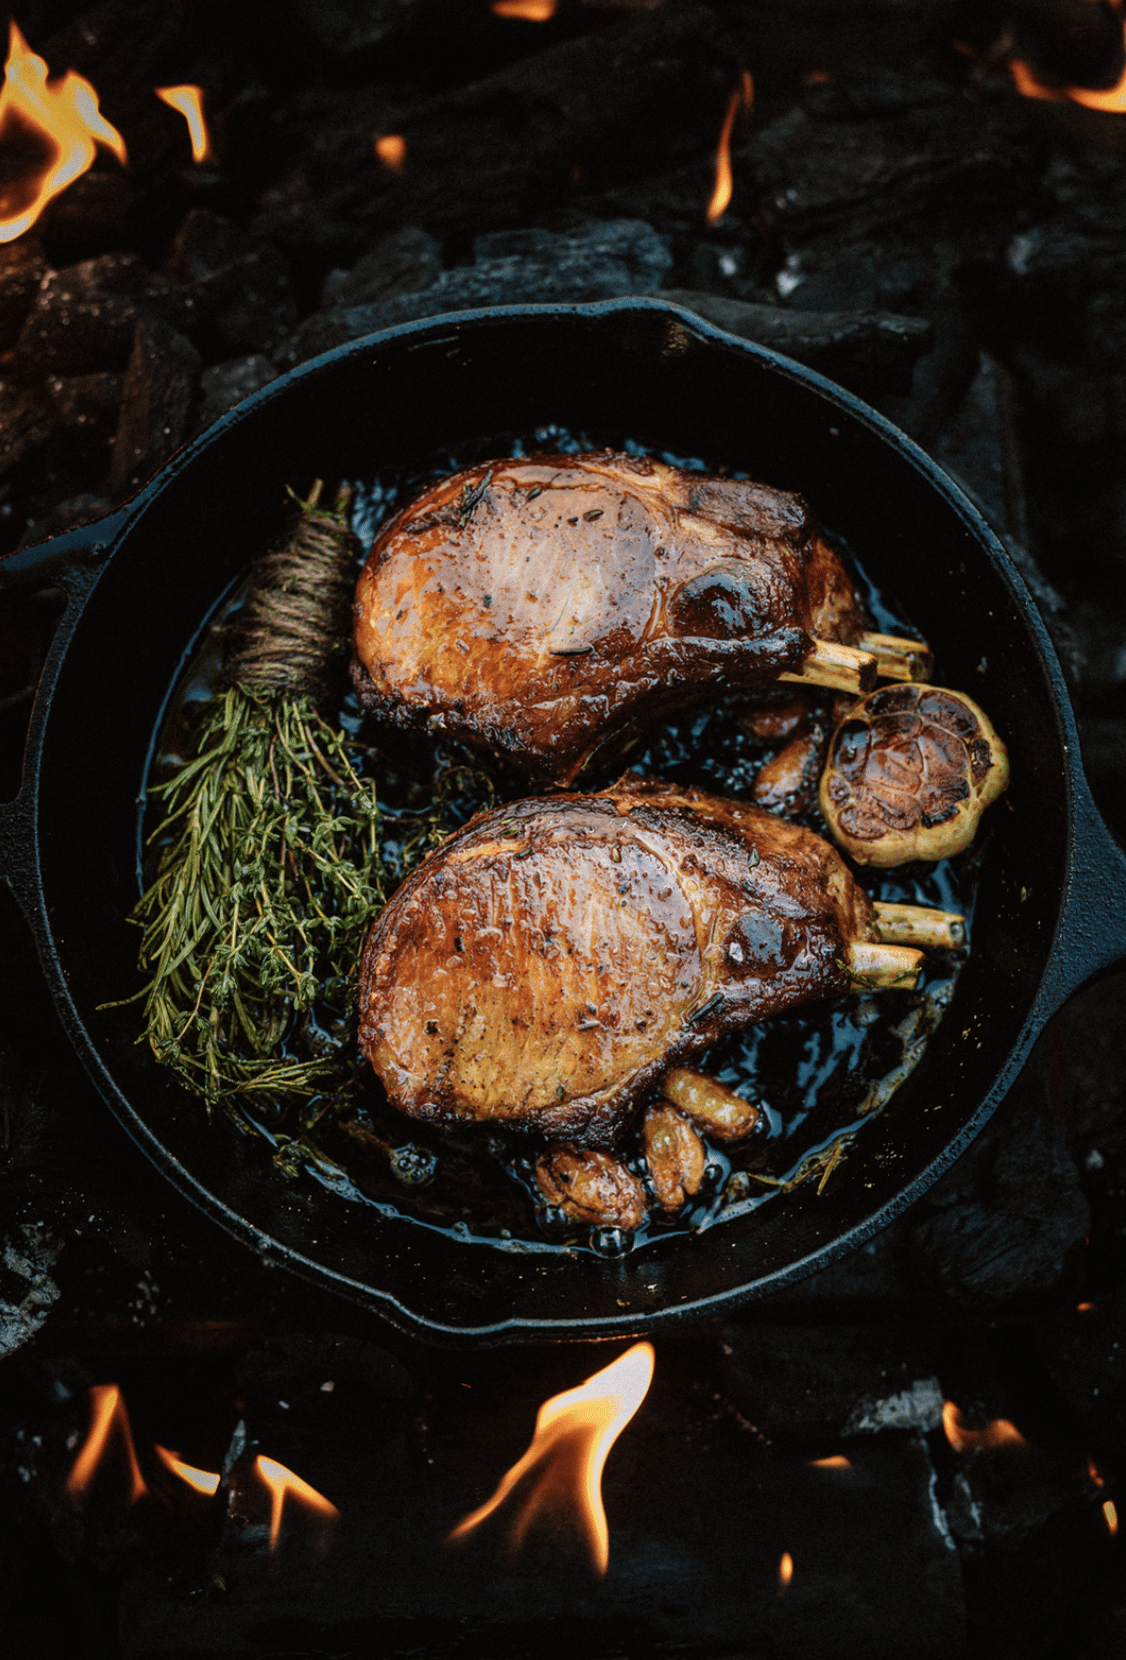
(901, 220)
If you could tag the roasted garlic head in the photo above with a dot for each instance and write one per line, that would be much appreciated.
(910, 771)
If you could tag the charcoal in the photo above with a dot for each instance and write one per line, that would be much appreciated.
(976, 446)
(674, 202)
(596, 263)
(1088, 1081)
(65, 515)
(205, 243)
(344, 32)
(897, 272)
(1068, 406)
(89, 218)
(228, 383)
(161, 387)
(1083, 1350)
(403, 263)
(1033, 1539)
(27, 1287)
(26, 423)
(863, 158)
(645, 92)
(87, 400)
(22, 269)
(809, 1383)
(83, 317)
(979, 445)
(1008, 1223)
(868, 352)
(248, 306)
(299, 1364)
(237, 295)
(88, 407)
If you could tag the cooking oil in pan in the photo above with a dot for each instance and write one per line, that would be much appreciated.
(817, 1076)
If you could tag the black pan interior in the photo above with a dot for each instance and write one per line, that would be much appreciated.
(637, 369)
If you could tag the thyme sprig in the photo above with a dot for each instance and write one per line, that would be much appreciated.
(269, 877)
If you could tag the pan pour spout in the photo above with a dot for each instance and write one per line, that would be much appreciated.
(536, 606)
(558, 958)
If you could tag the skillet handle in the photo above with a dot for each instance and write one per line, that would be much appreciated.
(63, 560)
(74, 562)
(1092, 929)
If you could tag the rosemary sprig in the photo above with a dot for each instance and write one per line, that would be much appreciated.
(268, 879)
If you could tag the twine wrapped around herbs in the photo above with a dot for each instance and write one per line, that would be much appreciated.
(270, 872)
(289, 633)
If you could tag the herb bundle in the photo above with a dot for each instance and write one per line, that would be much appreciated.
(271, 871)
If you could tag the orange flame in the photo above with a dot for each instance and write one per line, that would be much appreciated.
(392, 150)
(785, 1570)
(532, 11)
(65, 113)
(999, 1432)
(204, 1481)
(1112, 100)
(837, 1462)
(188, 100)
(281, 1481)
(721, 194)
(1111, 1514)
(107, 1409)
(573, 1436)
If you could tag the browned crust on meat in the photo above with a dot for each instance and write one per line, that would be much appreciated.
(545, 966)
(535, 605)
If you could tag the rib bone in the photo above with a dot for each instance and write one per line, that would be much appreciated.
(840, 668)
(899, 658)
(919, 925)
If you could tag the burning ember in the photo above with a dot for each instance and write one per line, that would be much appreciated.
(64, 114)
(107, 1410)
(721, 194)
(999, 1432)
(837, 1462)
(1111, 1513)
(785, 1571)
(204, 1481)
(391, 149)
(573, 1436)
(1111, 100)
(282, 1483)
(189, 101)
(532, 11)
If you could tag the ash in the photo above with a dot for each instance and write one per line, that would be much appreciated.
(904, 221)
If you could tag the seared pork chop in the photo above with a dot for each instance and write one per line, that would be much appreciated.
(535, 606)
(545, 966)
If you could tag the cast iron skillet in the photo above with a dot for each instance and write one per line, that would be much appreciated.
(1052, 904)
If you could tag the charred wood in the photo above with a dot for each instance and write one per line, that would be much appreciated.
(161, 387)
(598, 262)
(869, 352)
